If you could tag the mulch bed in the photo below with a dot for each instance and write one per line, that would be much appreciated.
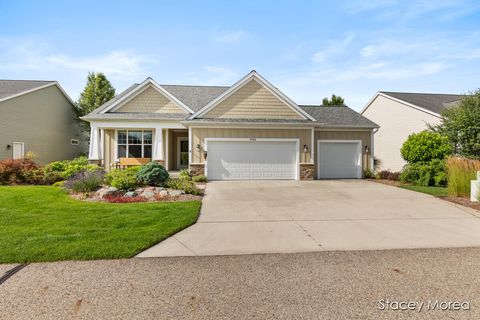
(462, 201)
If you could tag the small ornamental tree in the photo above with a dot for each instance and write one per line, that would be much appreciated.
(425, 146)
(97, 91)
(461, 124)
(335, 101)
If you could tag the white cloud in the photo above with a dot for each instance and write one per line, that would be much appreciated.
(34, 55)
(233, 36)
(334, 48)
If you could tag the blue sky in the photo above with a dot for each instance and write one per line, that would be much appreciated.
(309, 49)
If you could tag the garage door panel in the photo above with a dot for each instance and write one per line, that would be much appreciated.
(339, 160)
(247, 160)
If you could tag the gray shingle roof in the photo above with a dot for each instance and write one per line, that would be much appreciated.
(435, 102)
(10, 88)
(338, 117)
(195, 97)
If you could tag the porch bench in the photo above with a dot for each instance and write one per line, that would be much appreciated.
(130, 162)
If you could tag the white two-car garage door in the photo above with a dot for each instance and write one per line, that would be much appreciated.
(252, 160)
(339, 159)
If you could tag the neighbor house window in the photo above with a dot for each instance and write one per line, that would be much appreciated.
(134, 143)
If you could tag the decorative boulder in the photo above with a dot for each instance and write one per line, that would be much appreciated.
(110, 191)
(130, 194)
(176, 192)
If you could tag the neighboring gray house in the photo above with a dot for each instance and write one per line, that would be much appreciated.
(250, 130)
(400, 114)
(37, 116)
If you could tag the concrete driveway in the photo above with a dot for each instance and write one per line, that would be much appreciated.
(246, 217)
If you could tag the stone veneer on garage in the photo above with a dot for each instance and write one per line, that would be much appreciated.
(307, 171)
(197, 169)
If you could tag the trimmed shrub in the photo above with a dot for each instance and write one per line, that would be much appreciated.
(59, 184)
(200, 178)
(368, 174)
(34, 176)
(153, 174)
(387, 175)
(425, 173)
(460, 172)
(122, 179)
(425, 146)
(68, 168)
(85, 181)
(184, 175)
(13, 171)
(187, 186)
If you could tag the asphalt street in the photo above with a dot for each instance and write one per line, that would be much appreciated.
(319, 285)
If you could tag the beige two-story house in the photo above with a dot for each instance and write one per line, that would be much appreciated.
(38, 116)
(250, 130)
(400, 114)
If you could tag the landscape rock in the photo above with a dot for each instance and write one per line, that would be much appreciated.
(130, 194)
(163, 193)
(107, 191)
(176, 192)
(148, 194)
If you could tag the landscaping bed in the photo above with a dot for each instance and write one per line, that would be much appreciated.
(43, 223)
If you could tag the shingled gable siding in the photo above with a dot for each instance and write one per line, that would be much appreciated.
(199, 134)
(150, 100)
(252, 101)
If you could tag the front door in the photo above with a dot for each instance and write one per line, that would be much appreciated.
(182, 153)
(18, 150)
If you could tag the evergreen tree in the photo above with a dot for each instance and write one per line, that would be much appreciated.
(336, 101)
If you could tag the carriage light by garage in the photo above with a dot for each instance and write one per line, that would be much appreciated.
(205, 154)
(8, 147)
(367, 149)
(305, 148)
(198, 146)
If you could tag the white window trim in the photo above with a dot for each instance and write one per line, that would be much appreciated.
(296, 140)
(116, 144)
(360, 157)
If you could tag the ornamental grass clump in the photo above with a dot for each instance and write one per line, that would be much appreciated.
(85, 181)
(460, 172)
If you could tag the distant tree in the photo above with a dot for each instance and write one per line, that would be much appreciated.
(461, 125)
(334, 101)
(97, 91)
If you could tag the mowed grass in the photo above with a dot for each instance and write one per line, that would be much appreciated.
(434, 191)
(39, 223)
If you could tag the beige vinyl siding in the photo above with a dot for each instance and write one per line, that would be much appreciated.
(397, 121)
(199, 134)
(252, 101)
(44, 121)
(109, 149)
(150, 100)
(364, 136)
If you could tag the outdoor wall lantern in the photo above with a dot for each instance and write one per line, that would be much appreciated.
(367, 150)
(8, 147)
(198, 146)
(305, 148)
(205, 154)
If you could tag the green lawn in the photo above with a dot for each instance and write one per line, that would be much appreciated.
(39, 223)
(434, 191)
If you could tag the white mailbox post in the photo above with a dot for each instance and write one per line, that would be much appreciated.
(475, 189)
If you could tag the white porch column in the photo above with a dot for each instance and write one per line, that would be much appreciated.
(94, 152)
(158, 144)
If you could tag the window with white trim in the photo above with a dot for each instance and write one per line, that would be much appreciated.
(134, 143)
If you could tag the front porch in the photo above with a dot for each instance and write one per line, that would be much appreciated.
(120, 147)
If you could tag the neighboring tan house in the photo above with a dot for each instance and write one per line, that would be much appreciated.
(250, 130)
(400, 114)
(37, 116)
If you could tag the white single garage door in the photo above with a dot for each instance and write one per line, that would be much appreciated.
(251, 160)
(339, 159)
